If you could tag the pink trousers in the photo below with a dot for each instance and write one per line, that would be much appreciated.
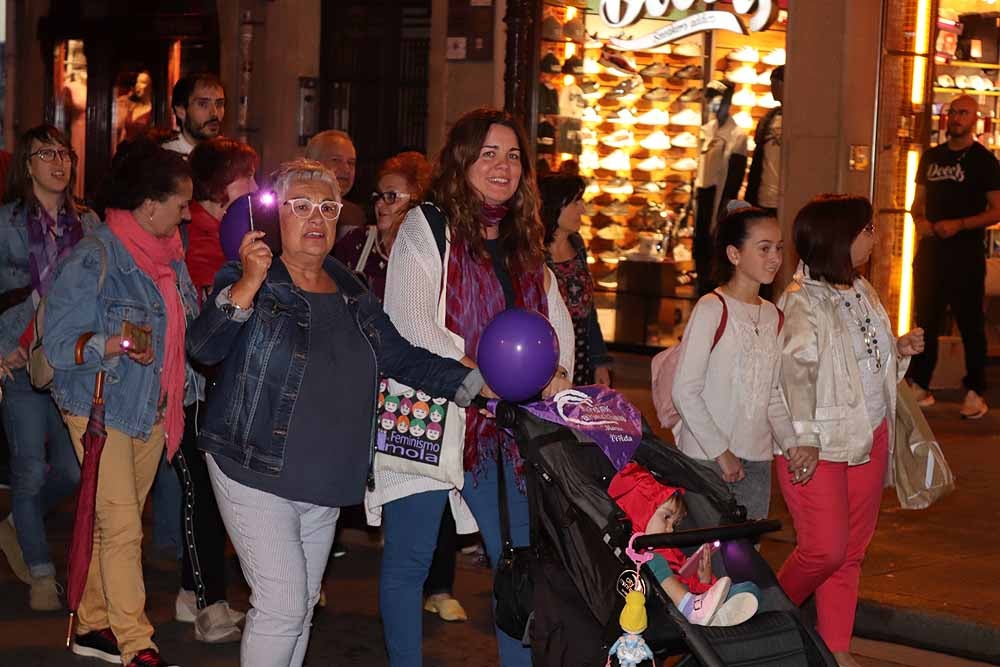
(834, 514)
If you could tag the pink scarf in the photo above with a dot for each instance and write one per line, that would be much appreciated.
(153, 255)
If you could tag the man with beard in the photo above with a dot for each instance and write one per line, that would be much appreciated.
(199, 104)
(336, 151)
(957, 197)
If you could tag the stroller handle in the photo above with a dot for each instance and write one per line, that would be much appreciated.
(505, 413)
(697, 537)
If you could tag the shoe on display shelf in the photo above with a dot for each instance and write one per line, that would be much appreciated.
(573, 65)
(619, 139)
(775, 58)
(745, 54)
(654, 117)
(587, 136)
(657, 141)
(685, 164)
(686, 49)
(654, 163)
(617, 161)
(624, 117)
(616, 186)
(657, 94)
(591, 66)
(688, 72)
(945, 81)
(684, 140)
(589, 160)
(616, 64)
(655, 69)
(550, 64)
(590, 90)
(590, 115)
(744, 98)
(686, 118)
(552, 30)
(649, 188)
(690, 95)
(627, 88)
(744, 74)
(743, 119)
(611, 233)
(767, 101)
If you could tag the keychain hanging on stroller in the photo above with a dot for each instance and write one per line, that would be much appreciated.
(631, 649)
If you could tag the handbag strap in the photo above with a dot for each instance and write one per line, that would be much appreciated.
(367, 249)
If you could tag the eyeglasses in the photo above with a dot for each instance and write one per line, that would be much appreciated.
(303, 208)
(389, 197)
(49, 154)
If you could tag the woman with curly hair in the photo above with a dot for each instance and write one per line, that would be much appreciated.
(481, 242)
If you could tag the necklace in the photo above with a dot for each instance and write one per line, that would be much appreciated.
(755, 322)
(863, 320)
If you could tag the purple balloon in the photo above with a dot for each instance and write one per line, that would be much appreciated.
(234, 226)
(518, 354)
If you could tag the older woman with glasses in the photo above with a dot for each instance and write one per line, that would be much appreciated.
(40, 223)
(289, 432)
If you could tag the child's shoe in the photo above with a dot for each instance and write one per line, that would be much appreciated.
(736, 609)
(700, 609)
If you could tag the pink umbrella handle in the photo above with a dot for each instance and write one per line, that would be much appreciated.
(81, 344)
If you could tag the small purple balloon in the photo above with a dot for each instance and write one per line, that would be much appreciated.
(518, 354)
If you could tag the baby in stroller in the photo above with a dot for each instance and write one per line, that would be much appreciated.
(656, 508)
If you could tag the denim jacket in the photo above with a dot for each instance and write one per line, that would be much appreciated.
(14, 271)
(264, 357)
(75, 306)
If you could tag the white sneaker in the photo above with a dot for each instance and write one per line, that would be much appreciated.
(617, 161)
(589, 160)
(924, 398)
(767, 101)
(654, 117)
(624, 117)
(657, 141)
(744, 98)
(611, 233)
(685, 164)
(186, 607)
(973, 407)
(685, 140)
(618, 139)
(686, 118)
(214, 624)
(737, 609)
(590, 115)
(775, 58)
(687, 49)
(616, 186)
(654, 163)
(700, 609)
(745, 74)
(743, 119)
(590, 66)
(764, 78)
(745, 54)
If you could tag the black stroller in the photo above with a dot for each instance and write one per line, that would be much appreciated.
(580, 536)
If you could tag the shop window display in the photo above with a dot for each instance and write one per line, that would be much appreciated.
(631, 122)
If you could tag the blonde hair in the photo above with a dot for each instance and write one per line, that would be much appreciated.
(302, 169)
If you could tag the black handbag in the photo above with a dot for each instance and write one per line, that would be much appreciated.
(513, 588)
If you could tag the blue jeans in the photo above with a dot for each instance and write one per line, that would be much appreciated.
(410, 528)
(168, 509)
(34, 428)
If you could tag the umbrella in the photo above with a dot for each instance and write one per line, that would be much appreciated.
(82, 544)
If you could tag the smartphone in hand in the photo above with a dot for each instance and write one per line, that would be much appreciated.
(136, 339)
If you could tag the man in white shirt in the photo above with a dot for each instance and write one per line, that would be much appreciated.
(336, 151)
(720, 174)
(764, 180)
(199, 104)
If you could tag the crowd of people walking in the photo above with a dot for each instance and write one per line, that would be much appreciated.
(260, 380)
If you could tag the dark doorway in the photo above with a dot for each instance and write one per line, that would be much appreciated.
(373, 78)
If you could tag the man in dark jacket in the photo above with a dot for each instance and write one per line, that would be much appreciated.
(763, 183)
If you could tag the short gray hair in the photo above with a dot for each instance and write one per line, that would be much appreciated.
(314, 149)
(302, 169)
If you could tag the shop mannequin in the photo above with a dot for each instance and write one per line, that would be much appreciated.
(721, 167)
(75, 105)
(135, 110)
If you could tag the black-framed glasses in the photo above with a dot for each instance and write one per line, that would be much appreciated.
(50, 154)
(389, 197)
(303, 208)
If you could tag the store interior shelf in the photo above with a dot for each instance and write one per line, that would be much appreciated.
(967, 91)
(969, 63)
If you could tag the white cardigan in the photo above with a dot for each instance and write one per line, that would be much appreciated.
(412, 291)
(728, 398)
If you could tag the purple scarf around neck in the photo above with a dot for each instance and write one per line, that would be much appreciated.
(492, 214)
(49, 241)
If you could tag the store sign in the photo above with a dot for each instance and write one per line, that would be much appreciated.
(622, 13)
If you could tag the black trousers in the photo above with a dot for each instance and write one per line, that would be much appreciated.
(956, 281)
(703, 242)
(204, 563)
(441, 576)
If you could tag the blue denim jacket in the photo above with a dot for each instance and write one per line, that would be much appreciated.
(264, 358)
(14, 271)
(74, 306)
